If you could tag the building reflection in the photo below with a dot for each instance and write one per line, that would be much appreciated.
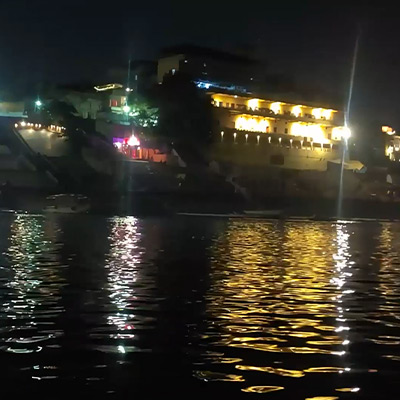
(34, 291)
(122, 273)
(278, 288)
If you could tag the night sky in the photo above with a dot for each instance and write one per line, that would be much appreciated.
(66, 41)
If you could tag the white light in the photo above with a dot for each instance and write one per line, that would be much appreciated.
(23, 123)
(16, 125)
(346, 133)
(128, 89)
(126, 109)
(118, 145)
(121, 349)
(133, 141)
(38, 103)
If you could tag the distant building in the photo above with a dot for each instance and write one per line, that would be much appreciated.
(12, 109)
(142, 75)
(209, 68)
(260, 132)
(86, 101)
(392, 143)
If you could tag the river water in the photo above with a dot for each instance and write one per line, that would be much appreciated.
(119, 307)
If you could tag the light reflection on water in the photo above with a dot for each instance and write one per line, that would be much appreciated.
(281, 309)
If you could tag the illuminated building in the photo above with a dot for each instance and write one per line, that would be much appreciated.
(392, 143)
(271, 132)
(209, 68)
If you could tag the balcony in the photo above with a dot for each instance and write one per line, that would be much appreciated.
(266, 112)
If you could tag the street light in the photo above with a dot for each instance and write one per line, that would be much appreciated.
(38, 103)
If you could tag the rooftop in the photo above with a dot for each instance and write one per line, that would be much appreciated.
(192, 50)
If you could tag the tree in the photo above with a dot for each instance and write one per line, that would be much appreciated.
(185, 112)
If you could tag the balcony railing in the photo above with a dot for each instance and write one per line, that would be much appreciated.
(266, 112)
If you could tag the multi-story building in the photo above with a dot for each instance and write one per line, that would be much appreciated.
(259, 132)
(209, 68)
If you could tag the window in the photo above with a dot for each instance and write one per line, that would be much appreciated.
(232, 105)
(286, 130)
(113, 103)
(329, 136)
(275, 129)
(221, 104)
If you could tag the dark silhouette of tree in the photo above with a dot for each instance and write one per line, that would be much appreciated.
(185, 112)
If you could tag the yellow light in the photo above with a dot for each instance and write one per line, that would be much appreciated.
(251, 124)
(317, 113)
(253, 104)
(388, 129)
(275, 107)
(298, 129)
(341, 132)
(110, 86)
(389, 151)
(314, 131)
(296, 111)
(327, 114)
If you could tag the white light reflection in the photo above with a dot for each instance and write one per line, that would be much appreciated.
(124, 255)
(343, 266)
(34, 299)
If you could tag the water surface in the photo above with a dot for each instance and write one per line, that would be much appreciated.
(126, 306)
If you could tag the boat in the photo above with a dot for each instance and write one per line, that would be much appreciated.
(67, 204)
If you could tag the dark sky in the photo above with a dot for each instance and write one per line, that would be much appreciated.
(63, 41)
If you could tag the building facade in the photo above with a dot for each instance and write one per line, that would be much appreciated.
(209, 68)
(259, 132)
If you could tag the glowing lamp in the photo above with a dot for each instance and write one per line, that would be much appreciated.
(388, 130)
(133, 141)
(296, 111)
(38, 103)
(317, 113)
(346, 133)
(23, 123)
(275, 107)
(126, 109)
(253, 104)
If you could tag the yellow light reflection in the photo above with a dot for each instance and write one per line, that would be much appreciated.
(275, 277)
